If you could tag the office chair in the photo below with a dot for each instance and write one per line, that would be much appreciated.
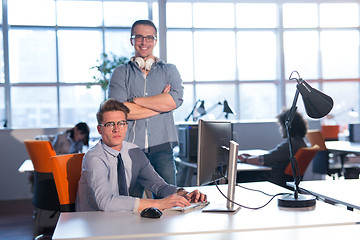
(321, 161)
(67, 171)
(303, 156)
(330, 132)
(45, 198)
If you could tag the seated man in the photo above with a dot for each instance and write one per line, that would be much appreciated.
(112, 168)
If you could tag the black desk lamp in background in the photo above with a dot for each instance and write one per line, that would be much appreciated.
(227, 110)
(200, 111)
(317, 105)
(197, 112)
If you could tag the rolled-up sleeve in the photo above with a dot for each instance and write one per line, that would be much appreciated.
(177, 89)
(117, 87)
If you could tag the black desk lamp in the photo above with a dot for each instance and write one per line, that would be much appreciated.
(227, 110)
(317, 105)
(200, 110)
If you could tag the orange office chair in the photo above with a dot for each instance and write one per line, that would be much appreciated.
(321, 159)
(315, 137)
(67, 171)
(44, 193)
(330, 132)
(303, 157)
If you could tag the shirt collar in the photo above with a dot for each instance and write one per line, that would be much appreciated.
(109, 150)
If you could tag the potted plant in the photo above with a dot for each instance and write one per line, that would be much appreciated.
(105, 67)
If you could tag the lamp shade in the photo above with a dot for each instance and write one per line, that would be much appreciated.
(317, 104)
(201, 109)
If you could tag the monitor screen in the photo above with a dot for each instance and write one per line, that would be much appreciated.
(213, 150)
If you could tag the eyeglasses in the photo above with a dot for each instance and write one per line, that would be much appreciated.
(139, 38)
(111, 125)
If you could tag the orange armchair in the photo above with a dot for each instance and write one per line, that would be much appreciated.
(45, 195)
(45, 198)
(303, 157)
(67, 171)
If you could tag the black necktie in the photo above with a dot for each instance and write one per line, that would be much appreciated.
(121, 177)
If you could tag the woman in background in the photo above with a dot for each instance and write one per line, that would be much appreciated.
(72, 140)
(279, 157)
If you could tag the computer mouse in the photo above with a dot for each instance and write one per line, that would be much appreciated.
(151, 212)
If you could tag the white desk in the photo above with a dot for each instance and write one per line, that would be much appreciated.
(191, 167)
(333, 232)
(342, 149)
(174, 225)
(343, 146)
(344, 192)
(254, 152)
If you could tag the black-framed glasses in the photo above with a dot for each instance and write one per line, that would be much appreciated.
(139, 38)
(111, 125)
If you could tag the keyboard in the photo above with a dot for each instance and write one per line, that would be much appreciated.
(191, 207)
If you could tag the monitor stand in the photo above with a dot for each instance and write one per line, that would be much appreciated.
(232, 171)
(221, 209)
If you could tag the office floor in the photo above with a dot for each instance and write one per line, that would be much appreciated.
(16, 222)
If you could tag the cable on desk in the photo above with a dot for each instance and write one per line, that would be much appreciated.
(253, 208)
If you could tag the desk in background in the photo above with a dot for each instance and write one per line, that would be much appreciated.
(345, 192)
(342, 149)
(177, 225)
(246, 172)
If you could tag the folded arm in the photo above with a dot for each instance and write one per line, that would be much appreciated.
(160, 103)
(144, 107)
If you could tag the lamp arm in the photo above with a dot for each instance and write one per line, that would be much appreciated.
(293, 161)
(192, 111)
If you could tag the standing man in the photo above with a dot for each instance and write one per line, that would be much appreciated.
(151, 89)
(112, 167)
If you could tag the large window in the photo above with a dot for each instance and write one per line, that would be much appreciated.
(52, 46)
(239, 51)
(247, 52)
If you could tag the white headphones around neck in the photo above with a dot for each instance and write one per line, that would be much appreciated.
(144, 64)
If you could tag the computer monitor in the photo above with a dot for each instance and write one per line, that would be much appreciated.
(217, 157)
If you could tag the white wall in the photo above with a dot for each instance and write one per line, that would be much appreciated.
(261, 135)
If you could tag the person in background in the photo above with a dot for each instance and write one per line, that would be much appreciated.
(113, 167)
(72, 140)
(279, 157)
(152, 90)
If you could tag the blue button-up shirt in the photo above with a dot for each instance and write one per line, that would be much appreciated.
(128, 82)
(98, 186)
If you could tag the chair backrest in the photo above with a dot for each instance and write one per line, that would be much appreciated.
(330, 132)
(67, 171)
(44, 193)
(315, 137)
(40, 152)
(303, 157)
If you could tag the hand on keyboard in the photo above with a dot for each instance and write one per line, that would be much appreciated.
(191, 207)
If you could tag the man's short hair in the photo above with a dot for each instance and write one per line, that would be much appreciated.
(143, 22)
(111, 105)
